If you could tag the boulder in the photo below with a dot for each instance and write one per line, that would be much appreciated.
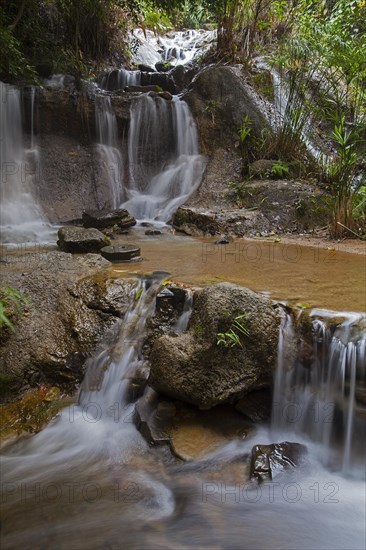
(194, 222)
(268, 461)
(163, 80)
(256, 405)
(194, 368)
(73, 307)
(220, 98)
(102, 219)
(80, 240)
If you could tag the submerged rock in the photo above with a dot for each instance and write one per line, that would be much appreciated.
(268, 461)
(104, 218)
(78, 239)
(194, 368)
(120, 252)
(191, 434)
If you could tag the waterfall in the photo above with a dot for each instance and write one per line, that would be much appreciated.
(319, 391)
(21, 217)
(165, 166)
(182, 323)
(118, 79)
(110, 156)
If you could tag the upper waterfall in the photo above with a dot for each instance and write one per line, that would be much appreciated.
(165, 166)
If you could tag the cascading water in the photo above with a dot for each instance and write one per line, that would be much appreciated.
(21, 218)
(110, 156)
(93, 442)
(182, 323)
(118, 79)
(165, 166)
(316, 393)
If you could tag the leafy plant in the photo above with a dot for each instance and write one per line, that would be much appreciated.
(12, 302)
(231, 338)
(279, 170)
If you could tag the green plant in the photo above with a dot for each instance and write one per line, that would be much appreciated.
(231, 338)
(279, 170)
(12, 302)
(239, 192)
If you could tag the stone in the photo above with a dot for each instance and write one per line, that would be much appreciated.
(120, 252)
(103, 219)
(220, 98)
(255, 405)
(191, 434)
(269, 461)
(196, 223)
(79, 240)
(153, 232)
(143, 89)
(74, 307)
(193, 368)
(146, 68)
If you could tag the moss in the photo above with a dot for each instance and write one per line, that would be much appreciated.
(31, 412)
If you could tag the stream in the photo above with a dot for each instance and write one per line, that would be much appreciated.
(89, 479)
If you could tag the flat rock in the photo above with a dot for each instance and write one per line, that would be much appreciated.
(102, 219)
(79, 239)
(191, 434)
(120, 252)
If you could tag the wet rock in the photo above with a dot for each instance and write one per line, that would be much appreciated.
(255, 405)
(153, 427)
(79, 240)
(196, 223)
(120, 252)
(143, 89)
(74, 306)
(146, 68)
(268, 461)
(103, 219)
(163, 80)
(191, 434)
(194, 368)
(162, 67)
(153, 232)
(224, 240)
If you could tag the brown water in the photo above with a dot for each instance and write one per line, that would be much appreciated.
(298, 274)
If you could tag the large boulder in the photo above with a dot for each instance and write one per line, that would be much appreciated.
(73, 307)
(220, 98)
(78, 239)
(194, 368)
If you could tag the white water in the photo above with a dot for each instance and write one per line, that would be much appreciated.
(21, 217)
(177, 47)
(119, 79)
(165, 166)
(316, 395)
(90, 478)
(182, 323)
(110, 156)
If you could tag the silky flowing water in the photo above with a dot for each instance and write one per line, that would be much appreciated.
(90, 480)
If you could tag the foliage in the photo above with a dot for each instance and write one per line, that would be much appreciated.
(231, 338)
(279, 170)
(12, 302)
